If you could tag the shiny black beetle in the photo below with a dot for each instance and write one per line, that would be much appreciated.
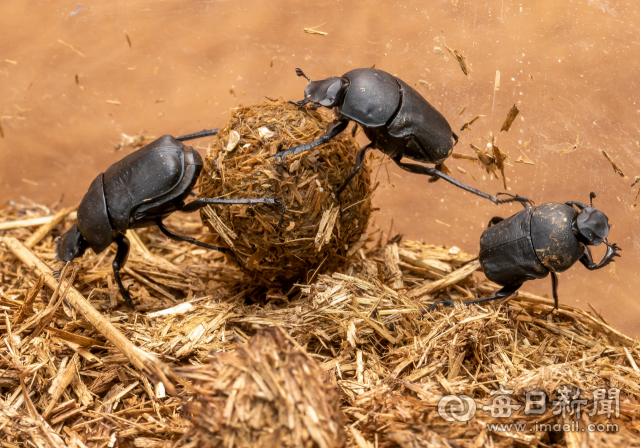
(541, 240)
(396, 119)
(140, 191)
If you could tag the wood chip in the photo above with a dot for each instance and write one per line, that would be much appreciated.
(511, 116)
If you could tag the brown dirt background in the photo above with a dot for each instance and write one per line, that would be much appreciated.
(190, 61)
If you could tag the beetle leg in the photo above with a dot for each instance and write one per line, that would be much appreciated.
(579, 205)
(118, 263)
(332, 130)
(436, 178)
(176, 237)
(501, 294)
(355, 130)
(299, 103)
(430, 171)
(554, 287)
(202, 202)
(587, 259)
(204, 133)
(359, 160)
(524, 201)
(56, 273)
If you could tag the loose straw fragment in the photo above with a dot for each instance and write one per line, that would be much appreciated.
(142, 360)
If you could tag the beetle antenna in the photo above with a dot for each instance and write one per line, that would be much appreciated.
(592, 195)
(299, 72)
(636, 181)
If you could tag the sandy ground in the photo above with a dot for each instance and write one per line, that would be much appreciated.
(71, 84)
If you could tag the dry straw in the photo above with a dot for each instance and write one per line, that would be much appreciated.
(313, 229)
(67, 380)
(269, 392)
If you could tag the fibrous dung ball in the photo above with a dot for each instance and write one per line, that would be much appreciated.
(268, 392)
(313, 233)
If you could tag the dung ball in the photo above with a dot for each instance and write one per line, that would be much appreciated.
(314, 233)
(268, 392)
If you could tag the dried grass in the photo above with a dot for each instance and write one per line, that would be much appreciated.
(268, 392)
(364, 328)
(313, 229)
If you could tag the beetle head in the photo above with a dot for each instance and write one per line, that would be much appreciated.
(328, 92)
(592, 225)
(71, 245)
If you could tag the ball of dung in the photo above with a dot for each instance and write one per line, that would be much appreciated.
(313, 234)
(267, 392)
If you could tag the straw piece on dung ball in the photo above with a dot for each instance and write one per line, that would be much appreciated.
(267, 392)
(313, 231)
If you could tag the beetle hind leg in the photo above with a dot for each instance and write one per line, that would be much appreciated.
(501, 294)
(187, 239)
(118, 263)
(430, 171)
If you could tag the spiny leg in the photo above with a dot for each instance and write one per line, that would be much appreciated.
(299, 103)
(501, 294)
(177, 237)
(204, 133)
(524, 201)
(118, 263)
(200, 203)
(332, 130)
(587, 259)
(359, 160)
(429, 171)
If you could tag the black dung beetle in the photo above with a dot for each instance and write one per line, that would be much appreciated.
(397, 119)
(140, 191)
(540, 240)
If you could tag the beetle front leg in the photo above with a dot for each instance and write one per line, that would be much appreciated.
(332, 130)
(587, 259)
(187, 239)
(579, 205)
(118, 263)
(430, 171)
(359, 160)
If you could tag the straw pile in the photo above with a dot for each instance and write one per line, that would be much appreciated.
(314, 229)
(76, 378)
(268, 392)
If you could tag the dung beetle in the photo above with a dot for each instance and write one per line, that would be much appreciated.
(395, 117)
(140, 191)
(540, 240)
